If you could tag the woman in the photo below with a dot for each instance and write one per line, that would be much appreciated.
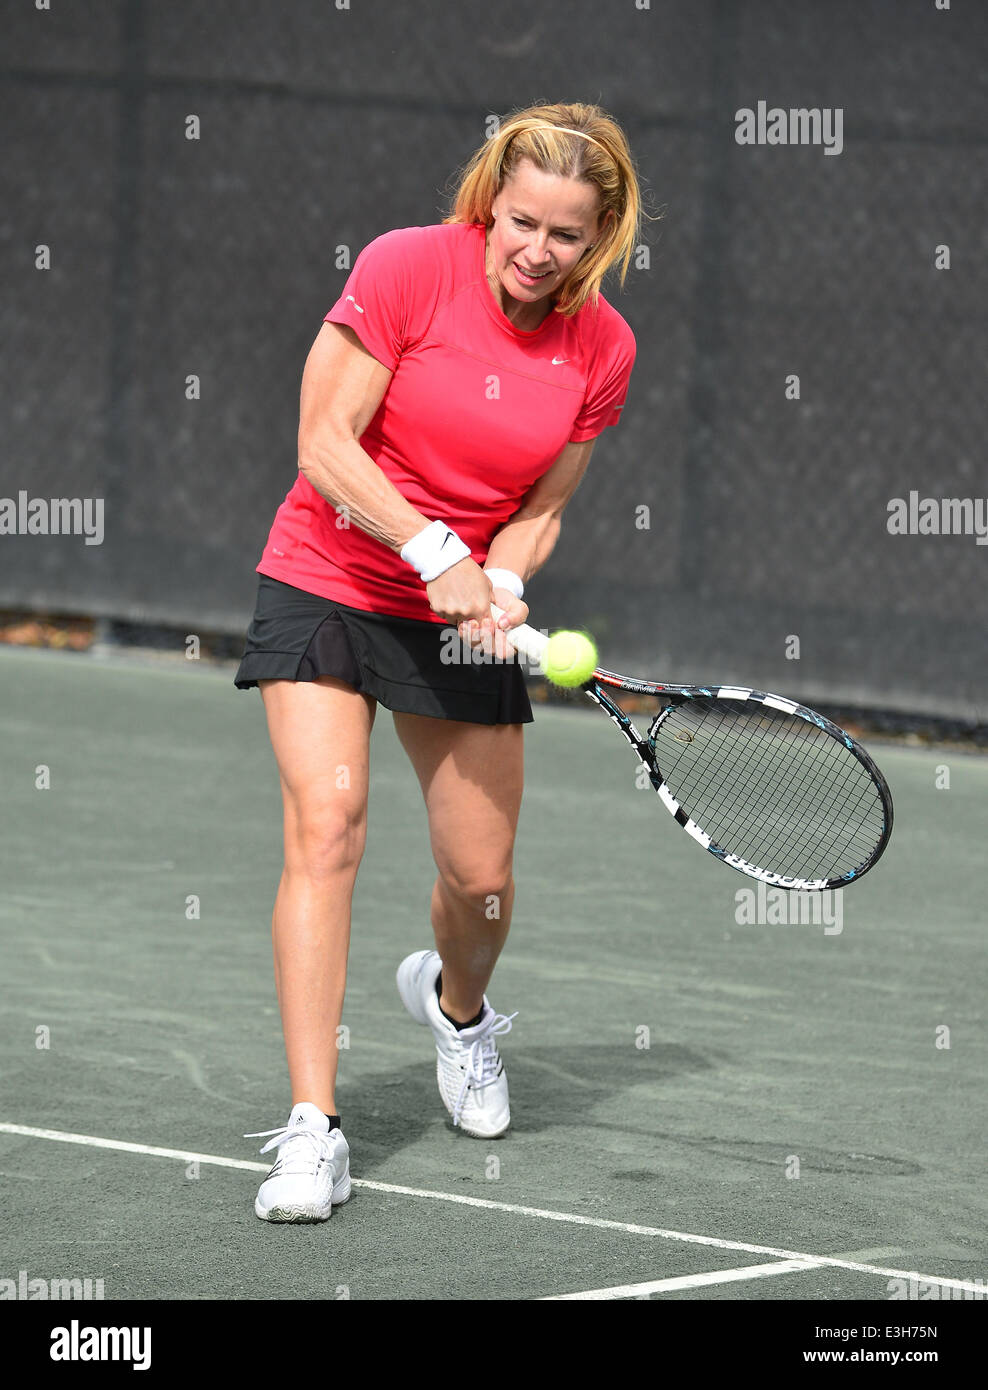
(449, 408)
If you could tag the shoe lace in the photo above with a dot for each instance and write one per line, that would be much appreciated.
(299, 1160)
(482, 1060)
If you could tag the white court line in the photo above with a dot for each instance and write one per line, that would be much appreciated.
(687, 1281)
(597, 1222)
(92, 1142)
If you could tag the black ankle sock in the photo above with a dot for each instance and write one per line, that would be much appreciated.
(334, 1121)
(455, 1021)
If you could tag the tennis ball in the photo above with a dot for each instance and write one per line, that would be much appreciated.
(570, 659)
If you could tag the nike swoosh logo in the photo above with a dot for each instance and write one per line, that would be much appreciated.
(558, 361)
(446, 538)
(354, 303)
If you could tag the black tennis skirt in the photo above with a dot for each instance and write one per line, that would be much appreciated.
(404, 663)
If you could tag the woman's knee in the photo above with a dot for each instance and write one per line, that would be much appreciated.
(324, 841)
(320, 733)
(477, 880)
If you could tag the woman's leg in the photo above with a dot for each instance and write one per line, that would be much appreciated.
(471, 777)
(320, 733)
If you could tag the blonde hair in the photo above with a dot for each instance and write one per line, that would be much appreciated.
(571, 140)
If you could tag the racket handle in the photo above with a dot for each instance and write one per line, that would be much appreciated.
(524, 639)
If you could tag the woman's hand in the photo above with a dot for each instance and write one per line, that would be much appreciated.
(463, 596)
(515, 613)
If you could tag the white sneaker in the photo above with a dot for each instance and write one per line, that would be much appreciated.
(311, 1174)
(469, 1070)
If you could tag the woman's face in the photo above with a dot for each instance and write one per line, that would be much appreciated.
(543, 225)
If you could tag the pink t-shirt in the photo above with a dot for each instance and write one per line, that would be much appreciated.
(476, 411)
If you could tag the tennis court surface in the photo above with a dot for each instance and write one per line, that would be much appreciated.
(704, 1108)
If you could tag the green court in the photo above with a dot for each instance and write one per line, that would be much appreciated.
(703, 1107)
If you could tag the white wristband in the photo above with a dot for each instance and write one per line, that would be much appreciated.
(506, 579)
(434, 550)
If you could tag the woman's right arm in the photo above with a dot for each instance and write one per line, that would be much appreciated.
(342, 388)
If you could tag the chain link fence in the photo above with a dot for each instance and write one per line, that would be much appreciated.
(810, 323)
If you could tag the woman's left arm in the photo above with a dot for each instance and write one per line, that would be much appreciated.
(524, 543)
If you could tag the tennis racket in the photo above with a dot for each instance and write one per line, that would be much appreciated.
(770, 787)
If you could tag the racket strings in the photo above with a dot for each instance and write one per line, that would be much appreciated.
(795, 810)
(762, 820)
(792, 808)
(771, 787)
(800, 807)
(779, 830)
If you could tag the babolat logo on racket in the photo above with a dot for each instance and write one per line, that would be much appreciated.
(684, 736)
(780, 880)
